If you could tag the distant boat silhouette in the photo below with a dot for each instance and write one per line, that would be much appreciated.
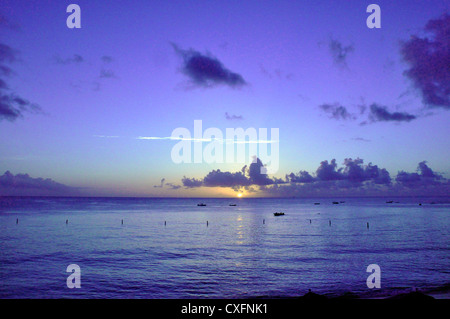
(201, 204)
(335, 203)
(389, 202)
(316, 203)
(278, 214)
(232, 205)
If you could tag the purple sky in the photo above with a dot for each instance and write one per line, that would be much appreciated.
(73, 102)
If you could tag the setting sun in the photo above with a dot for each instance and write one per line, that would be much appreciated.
(239, 195)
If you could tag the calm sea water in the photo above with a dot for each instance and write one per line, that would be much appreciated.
(171, 248)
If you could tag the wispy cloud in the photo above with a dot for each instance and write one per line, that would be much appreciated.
(337, 111)
(107, 136)
(233, 117)
(339, 52)
(161, 185)
(76, 58)
(221, 140)
(277, 73)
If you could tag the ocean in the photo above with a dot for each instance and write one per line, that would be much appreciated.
(170, 248)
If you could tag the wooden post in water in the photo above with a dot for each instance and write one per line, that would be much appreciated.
(67, 221)
(122, 221)
(17, 221)
(164, 223)
(264, 221)
(207, 223)
(367, 225)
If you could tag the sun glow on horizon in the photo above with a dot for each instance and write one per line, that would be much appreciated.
(239, 195)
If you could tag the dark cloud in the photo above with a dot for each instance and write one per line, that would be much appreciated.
(12, 106)
(206, 70)
(353, 172)
(233, 117)
(337, 111)
(329, 171)
(300, 177)
(225, 179)
(249, 175)
(257, 174)
(424, 176)
(76, 58)
(356, 172)
(379, 113)
(191, 182)
(23, 184)
(429, 60)
(339, 52)
(354, 178)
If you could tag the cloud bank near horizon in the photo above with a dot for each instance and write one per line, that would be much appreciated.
(354, 177)
(25, 185)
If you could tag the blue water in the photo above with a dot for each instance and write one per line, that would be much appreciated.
(166, 249)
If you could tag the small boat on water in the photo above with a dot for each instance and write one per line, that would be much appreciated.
(389, 202)
(232, 205)
(201, 204)
(278, 214)
(335, 203)
(316, 203)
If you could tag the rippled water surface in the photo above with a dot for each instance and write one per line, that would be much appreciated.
(172, 248)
